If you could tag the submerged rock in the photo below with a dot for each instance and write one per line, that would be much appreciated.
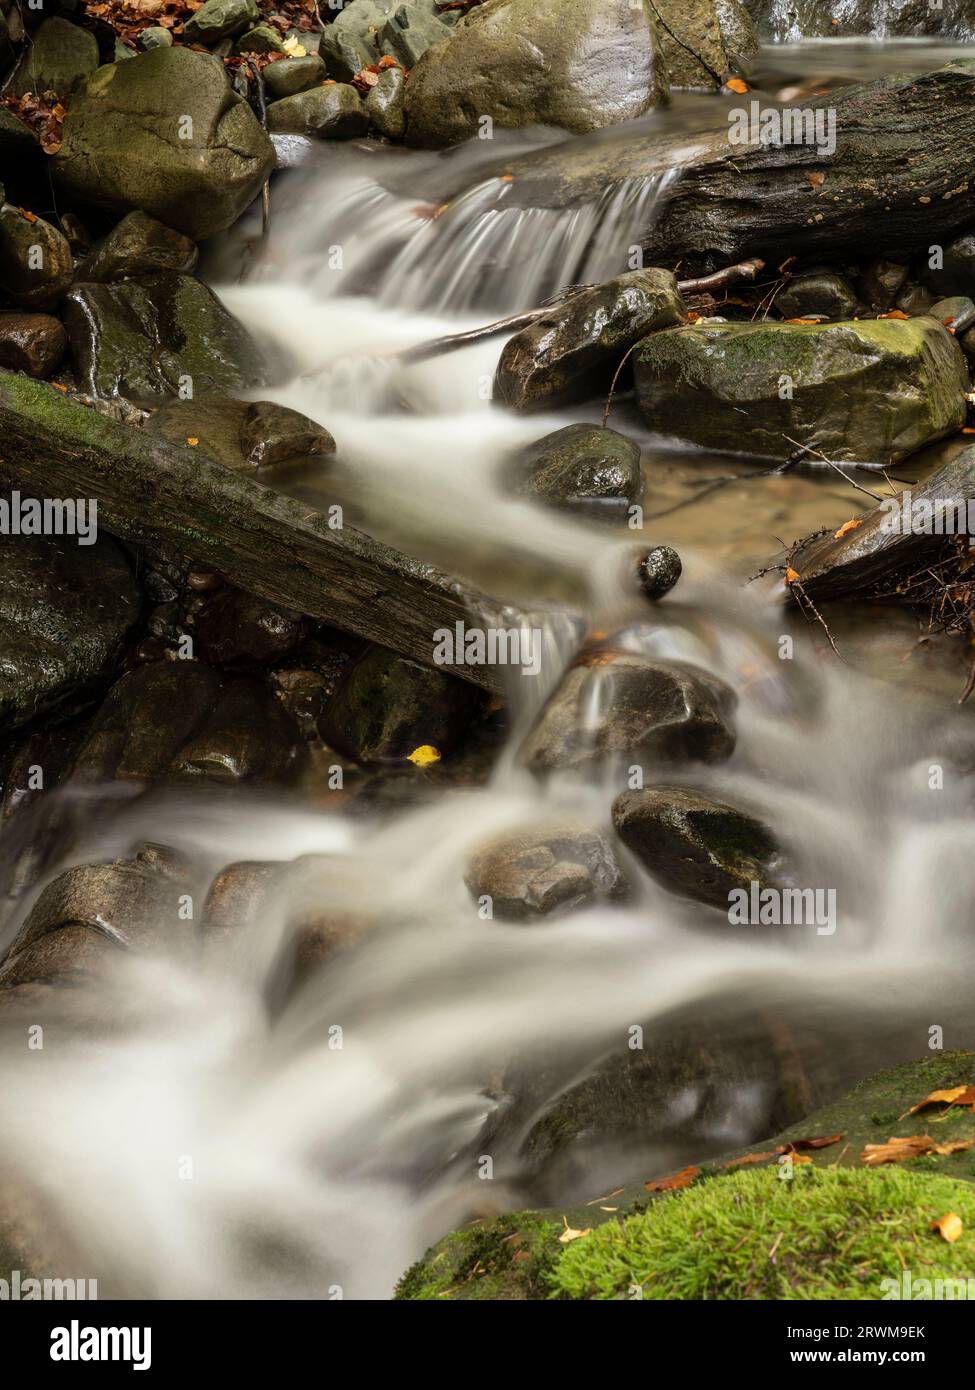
(572, 352)
(145, 339)
(139, 245)
(64, 610)
(35, 259)
(334, 112)
(31, 343)
(538, 871)
(632, 706)
(165, 133)
(582, 467)
(386, 706)
(871, 391)
(58, 59)
(693, 845)
(579, 64)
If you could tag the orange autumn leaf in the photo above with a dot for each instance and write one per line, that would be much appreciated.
(751, 1158)
(949, 1226)
(820, 1142)
(682, 1179)
(791, 575)
(800, 320)
(958, 1095)
(191, 441)
(735, 84)
(897, 1150)
(894, 314)
(816, 178)
(847, 527)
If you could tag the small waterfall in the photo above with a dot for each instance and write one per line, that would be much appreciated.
(789, 21)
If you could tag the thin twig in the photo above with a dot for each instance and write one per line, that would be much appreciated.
(816, 454)
(616, 376)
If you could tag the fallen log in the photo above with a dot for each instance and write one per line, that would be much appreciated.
(912, 546)
(163, 495)
(898, 180)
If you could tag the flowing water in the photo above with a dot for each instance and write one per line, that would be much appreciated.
(221, 1138)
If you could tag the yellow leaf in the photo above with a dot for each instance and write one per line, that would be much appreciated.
(966, 1094)
(425, 755)
(569, 1234)
(191, 441)
(948, 1226)
(294, 48)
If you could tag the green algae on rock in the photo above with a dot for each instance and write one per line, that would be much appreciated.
(867, 391)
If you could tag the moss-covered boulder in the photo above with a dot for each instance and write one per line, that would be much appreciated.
(695, 846)
(166, 133)
(244, 435)
(839, 1228)
(150, 338)
(572, 352)
(871, 391)
(579, 64)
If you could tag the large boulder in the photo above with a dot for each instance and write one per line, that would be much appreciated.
(244, 435)
(59, 58)
(870, 391)
(704, 40)
(579, 64)
(165, 133)
(146, 339)
(139, 245)
(572, 352)
(64, 610)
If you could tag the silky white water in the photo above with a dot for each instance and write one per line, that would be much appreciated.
(216, 1141)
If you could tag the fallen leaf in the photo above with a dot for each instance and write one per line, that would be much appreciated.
(191, 441)
(751, 1158)
(958, 1095)
(800, 320)
(735, 84)
(821, 1142)
(295, 48)
(791, 575)
(897, 1150)
(682, 1179)
(569, 1234)
(949, 1227)
(425, 755)
(847, 527)
(894, 314)
(816, 177)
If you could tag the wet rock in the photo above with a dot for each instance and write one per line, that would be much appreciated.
(219, 19)
(346, 52)
(956, 313)
(58, 59)
(658, 571)
(127, 144)
(139, 245)
(915, 299)
(144, 339)
(409, 32)
(629, 706)
(147, 716)
(35, 260)
(89, 914)
(244, 435)
(78, 236)
(155, 37)
(386, 706)
(572, 352)
(706, 38)
(31, 343)
(587, 64)
(237, 630)
(261, 39)
(882, 282)
(870, 391)
(17, 141)
(695, 846)
(334, 112)
(246, 737)
(582, 467)
(539, 871)
(956, 274)
(821, 293)
(292, 75)
(64, 610)
(385, 104)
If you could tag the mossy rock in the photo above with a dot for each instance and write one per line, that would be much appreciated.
(839, 1229)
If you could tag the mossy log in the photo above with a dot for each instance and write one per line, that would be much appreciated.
(162, 495)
